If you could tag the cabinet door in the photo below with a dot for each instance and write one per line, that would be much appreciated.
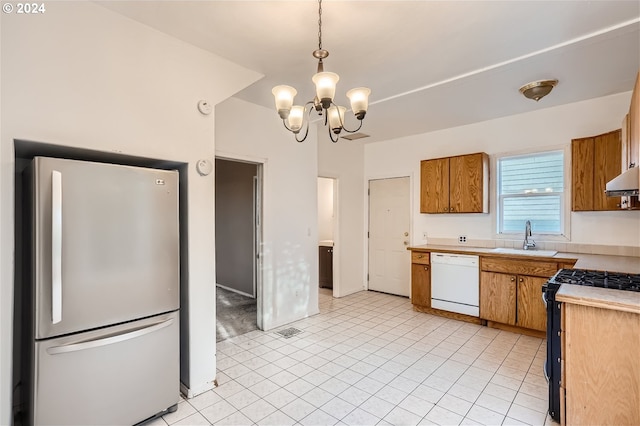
(325, 267)
(634, 125)
(467, 193)
(420, 285)
(582, 174)
(607, 165)
(498, 297)
(434, 186)
(531, 310)
(595, 161)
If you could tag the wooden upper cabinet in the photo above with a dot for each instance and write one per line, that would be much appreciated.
(607, 166)
(434, 186)
(631, 142)
(582, 174)
(455, 184)
(634, 126)
(469, 183)
(594, 162)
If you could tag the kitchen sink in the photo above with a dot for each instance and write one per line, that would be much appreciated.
(544, 253)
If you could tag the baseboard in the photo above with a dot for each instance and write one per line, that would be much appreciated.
(189, 393)
(446, 314)
(235, 291)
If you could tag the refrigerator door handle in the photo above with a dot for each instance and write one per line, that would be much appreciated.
(56, 246)
(94, 343)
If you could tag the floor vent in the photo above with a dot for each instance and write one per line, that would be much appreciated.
(288, 332)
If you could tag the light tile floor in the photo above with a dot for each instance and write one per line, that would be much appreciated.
(369, 359)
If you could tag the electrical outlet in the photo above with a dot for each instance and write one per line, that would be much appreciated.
(462, 239)
(424, 236)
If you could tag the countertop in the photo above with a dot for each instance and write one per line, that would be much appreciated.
(617, 300)
(597, 262)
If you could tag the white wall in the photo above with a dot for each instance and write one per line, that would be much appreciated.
(82, 76)
(325, 209)
(344, 161)
(551, 127)
(289, 250)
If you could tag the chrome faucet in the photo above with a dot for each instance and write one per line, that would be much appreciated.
(528, 243)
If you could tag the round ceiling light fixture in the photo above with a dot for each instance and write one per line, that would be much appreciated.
(537, 90)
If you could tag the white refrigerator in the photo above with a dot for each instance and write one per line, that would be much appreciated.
(104, 292)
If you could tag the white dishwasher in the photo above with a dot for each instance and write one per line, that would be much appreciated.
(455, 283)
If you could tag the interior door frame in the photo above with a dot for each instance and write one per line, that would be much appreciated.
(258, 211)
(336, 231)
(367, 225)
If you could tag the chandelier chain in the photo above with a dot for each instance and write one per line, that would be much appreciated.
(319, 24)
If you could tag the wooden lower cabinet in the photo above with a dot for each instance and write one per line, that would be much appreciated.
(513, 300)
(510, 296)
(531, 312)
(601, 371)
(420, 280)
(498, 297)
(420, 285)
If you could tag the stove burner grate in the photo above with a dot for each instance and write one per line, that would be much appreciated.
(604, 279)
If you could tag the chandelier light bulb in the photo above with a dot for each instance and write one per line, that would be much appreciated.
(325, 87)
(284, 99)
(295, 119)
(336, 118)
(359, 98)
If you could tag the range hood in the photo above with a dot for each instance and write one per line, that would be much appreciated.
(624, 184)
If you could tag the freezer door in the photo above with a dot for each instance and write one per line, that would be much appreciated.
(106, 246)
(119, 375)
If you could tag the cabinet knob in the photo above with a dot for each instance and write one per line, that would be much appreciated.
(520, 280)
(451, 209)
(446, 209)
(513, 279)
(426, 268)
(419, 256)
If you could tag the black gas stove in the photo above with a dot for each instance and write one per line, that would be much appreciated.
(603, 279)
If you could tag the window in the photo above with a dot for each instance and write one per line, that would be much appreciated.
(530, 187)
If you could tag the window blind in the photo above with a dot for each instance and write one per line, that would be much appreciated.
(531, 188)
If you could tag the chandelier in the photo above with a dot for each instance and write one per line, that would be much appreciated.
(293, 116)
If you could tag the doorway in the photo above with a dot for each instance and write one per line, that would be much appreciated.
(389, 222)
(238, 229)
(327, 219)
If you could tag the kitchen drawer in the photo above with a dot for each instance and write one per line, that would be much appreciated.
(519, 267)
(420, 257)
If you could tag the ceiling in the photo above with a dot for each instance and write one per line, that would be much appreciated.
(430, 64)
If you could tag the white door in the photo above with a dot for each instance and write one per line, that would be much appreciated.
(389, 215)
